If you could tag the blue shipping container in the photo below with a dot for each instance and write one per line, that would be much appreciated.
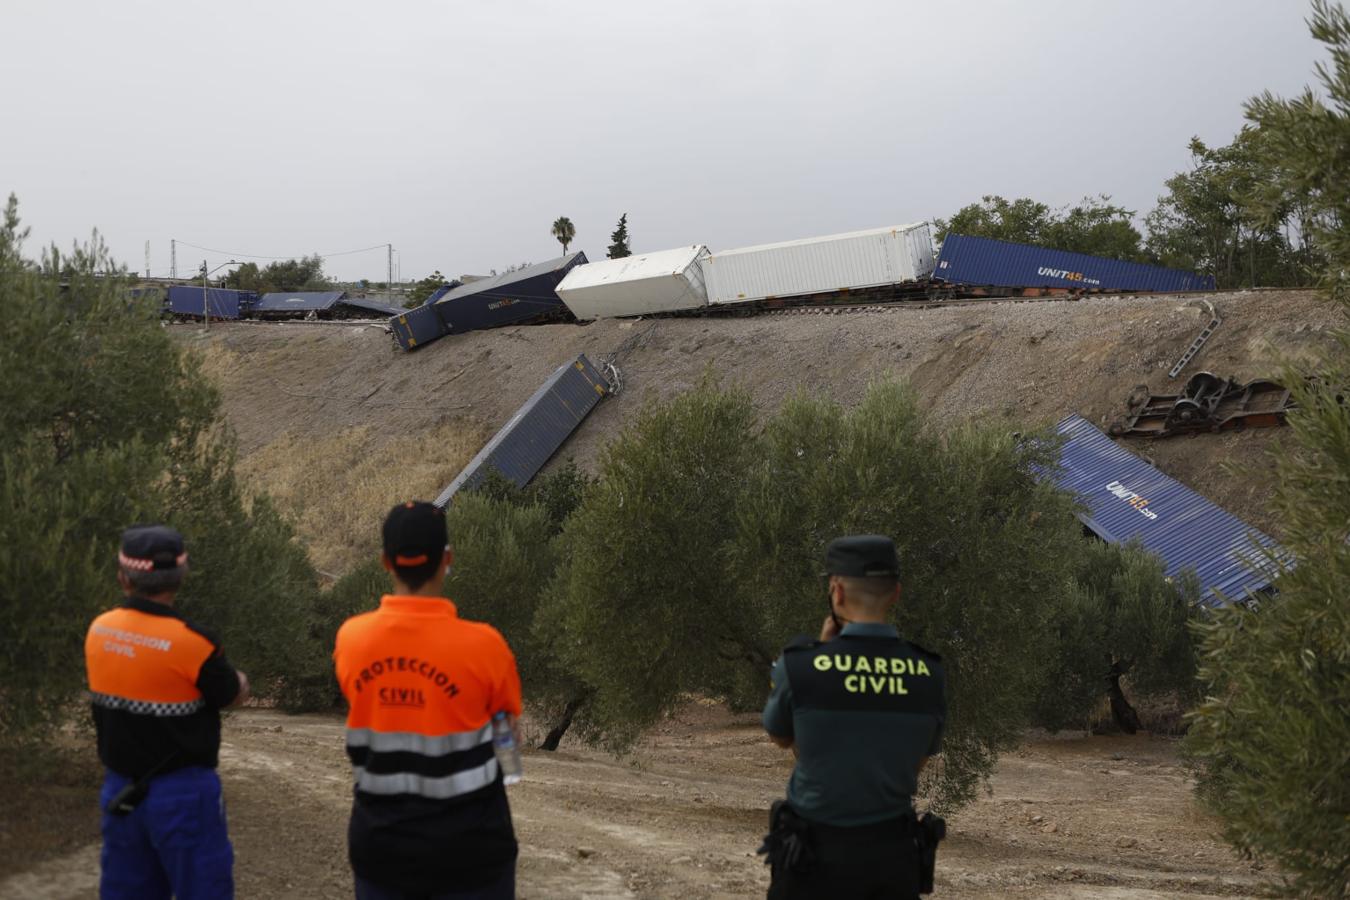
(417, 327)
(518, 296)
(297, 303)
(986, 262)
(537, 429)
(361, 307)
(1128, 499)
(220, 303)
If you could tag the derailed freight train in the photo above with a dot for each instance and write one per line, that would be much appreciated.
(524, 296)
(880, 265)
(191, 302)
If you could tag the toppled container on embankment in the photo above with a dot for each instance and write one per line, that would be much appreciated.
(525, 295)
(987, 263)
(831, 264)
(1126, 499)
(524, 444)
(637, 285)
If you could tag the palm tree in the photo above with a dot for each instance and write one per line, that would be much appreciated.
(564, 231)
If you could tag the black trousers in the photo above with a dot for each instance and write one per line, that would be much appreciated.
(870, 862)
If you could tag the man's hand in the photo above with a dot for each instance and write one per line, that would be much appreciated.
(829, 630)
(243, 694)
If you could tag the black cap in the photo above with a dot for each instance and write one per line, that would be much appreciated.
(862, 556)
(414, 534)
(149, 547)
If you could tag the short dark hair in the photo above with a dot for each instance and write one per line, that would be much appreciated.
(869, 590)
(416, 576)
(155, 581)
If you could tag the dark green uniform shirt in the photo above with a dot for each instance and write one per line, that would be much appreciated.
(863, 709)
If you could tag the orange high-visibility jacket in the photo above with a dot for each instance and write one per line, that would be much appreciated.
(156, 684)
(422, 686)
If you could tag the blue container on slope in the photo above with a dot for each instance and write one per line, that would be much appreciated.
(517, 296)
(219, 303)
(537, 429)
(418, 326)
(985, 262)
(1127, 499)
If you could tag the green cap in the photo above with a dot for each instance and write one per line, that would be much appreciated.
(862, 556)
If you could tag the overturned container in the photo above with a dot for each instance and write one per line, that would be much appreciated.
(637, 285)
(418, 326)
(831, 264)
(1123, 499)
(187, 301)
(524, 444)
(513, 298)
(986, 263)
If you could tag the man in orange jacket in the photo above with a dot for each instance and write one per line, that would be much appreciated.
(430, 818)
(157, 683)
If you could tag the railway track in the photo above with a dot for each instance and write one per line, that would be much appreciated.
(809, 307)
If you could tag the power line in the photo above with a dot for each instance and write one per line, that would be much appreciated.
(237, 254)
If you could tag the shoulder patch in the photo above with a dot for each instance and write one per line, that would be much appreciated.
(800, 642)
(925, 651)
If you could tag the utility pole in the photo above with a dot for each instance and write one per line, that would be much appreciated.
(390, 283)
(147, 259)
(173, 259)
(206, 307)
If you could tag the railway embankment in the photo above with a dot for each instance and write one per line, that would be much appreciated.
(337, 423)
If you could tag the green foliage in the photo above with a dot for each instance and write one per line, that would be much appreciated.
(1272, 739)
(1307, 148)
(564, 231)
(304, 274)
(618, 247)
(697, 555)
(104, 421)
(423, 289)
(1210, 218)
(310, 684)
(1094, 226)
(986, 552)
(1122, 614)
(641, 606)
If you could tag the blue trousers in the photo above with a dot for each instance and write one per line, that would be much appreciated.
(173, 844)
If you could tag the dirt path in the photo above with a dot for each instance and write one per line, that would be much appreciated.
(1068, 817)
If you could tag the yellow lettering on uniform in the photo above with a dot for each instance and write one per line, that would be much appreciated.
(898, 686)
(877, 684)
(922, 669)
(851, 684)
(843, 663)
(861, 665)
(822, 663)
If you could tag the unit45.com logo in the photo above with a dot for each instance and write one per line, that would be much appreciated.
(1116, 489)
(1066, 275)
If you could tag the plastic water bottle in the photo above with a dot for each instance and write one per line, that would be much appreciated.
(504, 745)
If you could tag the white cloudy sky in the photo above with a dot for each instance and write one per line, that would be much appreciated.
(458, 130)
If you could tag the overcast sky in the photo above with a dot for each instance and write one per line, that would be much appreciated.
(458, 131)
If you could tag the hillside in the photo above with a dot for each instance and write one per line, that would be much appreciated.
(339, 424)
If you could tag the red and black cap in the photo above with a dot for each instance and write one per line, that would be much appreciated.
(862, 556)
(146, 548)
(414, 534)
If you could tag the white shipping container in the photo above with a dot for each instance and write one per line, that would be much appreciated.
(637, 285)
(820, 265)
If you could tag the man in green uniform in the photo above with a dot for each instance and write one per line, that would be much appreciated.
(863, 710)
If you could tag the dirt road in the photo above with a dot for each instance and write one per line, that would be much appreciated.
(1068, 817)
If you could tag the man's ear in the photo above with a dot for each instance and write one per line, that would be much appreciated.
(449, 557)
(123, 580)
(387, 563)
